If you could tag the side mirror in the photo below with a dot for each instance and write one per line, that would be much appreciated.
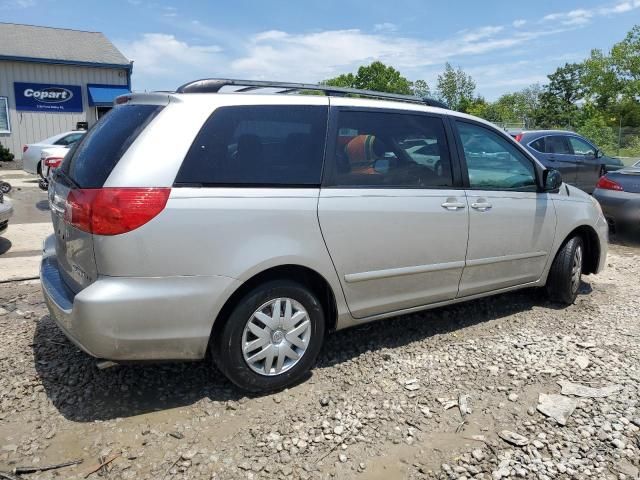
(381, 165)
(552, 180)
(599, 153)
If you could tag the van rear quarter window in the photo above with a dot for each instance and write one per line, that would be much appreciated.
(90, 162)
(258, 145)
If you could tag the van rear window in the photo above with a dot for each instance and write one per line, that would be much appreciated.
(258, 145)
(90, 162)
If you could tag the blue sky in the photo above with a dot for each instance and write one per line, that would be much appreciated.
(504, 45)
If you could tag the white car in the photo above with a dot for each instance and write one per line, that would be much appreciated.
(50, 159)
(31, 153)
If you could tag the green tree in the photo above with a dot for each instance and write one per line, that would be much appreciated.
(600, 81)
(377, 76)
(518, 106)
(558, 106)
(626, 62)
(597, 129)
(420, 88)
(346, 80)
(455, 87)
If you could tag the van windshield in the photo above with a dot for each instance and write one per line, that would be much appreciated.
(90, 162)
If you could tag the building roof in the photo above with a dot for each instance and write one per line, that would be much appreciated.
(29, 42)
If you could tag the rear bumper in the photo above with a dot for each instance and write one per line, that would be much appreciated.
(619, 207)
(124, 318)
(6, 211)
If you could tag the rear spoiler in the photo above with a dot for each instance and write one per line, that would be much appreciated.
(153, 98)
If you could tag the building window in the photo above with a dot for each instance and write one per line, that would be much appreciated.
(5, 126)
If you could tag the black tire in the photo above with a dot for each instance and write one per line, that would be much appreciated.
(226, 344)
(561, 287)
(5, 187)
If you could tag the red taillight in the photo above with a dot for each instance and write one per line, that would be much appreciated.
(112, 211)
(518, 137)
(53, 162)
(608, 184)
(25, 148)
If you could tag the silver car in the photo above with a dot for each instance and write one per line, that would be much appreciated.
(248, 225)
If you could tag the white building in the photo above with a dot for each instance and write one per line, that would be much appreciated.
(52, 80)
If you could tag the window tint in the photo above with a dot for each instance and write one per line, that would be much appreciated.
(493, 162)
(557, 144)
(538, 145)
(69, 139)
(580, 147)
(391, 150)
(91, 160)
(258, 145)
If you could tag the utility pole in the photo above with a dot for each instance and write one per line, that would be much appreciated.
(619, 134)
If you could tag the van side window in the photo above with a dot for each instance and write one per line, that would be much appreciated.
(377, 149)
(258, 145)
(493, 163)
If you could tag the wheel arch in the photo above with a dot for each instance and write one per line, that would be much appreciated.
(591, 246)
(305, 275)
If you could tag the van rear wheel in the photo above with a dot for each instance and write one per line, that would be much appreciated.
(272, 337)
(566, 272)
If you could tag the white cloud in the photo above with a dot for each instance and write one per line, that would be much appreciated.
(163, 60)
(385, 27)
(317, 55)
(170, 12)
(161, 55)
(621, 7)
(15, 4)
(583, 16)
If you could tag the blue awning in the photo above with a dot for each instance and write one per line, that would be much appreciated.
(104, 95)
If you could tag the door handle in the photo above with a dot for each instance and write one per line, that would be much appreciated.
(453, 205)
(481, 206)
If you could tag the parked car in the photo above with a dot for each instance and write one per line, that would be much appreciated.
(619, 196)
(580, 162)
(6, 211)
(50, 159)
(274, 218)
(31, 153)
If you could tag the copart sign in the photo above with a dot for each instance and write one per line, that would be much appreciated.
(46, 97)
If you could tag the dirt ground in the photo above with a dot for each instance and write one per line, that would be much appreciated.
(428, 395)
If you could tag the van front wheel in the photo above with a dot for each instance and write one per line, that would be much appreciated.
(566, 272)
(272, 337)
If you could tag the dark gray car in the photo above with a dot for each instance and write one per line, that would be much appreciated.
(580, 162)
(619, 196)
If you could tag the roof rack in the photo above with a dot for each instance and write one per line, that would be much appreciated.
(214, 85)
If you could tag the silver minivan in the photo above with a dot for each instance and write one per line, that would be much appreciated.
(248, 224)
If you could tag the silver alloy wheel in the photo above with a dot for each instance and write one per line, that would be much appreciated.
(276, 336)
(576, 269)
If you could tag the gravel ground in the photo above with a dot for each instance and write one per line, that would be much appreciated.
(456, 392)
